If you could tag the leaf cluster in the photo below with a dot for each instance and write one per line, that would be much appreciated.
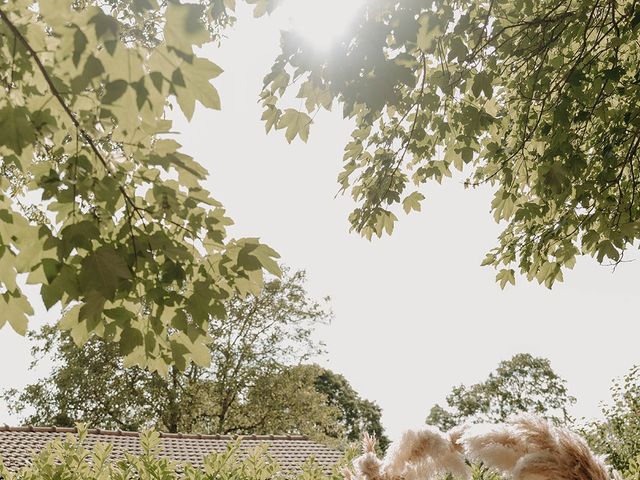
(99, 207)
(537, 98)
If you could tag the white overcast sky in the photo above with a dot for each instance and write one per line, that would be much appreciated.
(415, 314)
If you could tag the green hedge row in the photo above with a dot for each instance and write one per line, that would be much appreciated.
(70, 459)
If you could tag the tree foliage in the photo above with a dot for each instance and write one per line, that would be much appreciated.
(257, 384)
(98, 205)
(618, 435)
(288, 401)
(309, 398)
(91, 384)
(522, 384)
(537, 98)
(356, 415)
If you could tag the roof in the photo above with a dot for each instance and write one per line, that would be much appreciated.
(19, 444)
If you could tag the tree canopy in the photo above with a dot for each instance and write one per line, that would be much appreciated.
(258, 383)
(522, 384)
(356, 415)
(617, 436)
(286, 402)
(92, 384)
(98, 205)
(101, 209)
(537, 98)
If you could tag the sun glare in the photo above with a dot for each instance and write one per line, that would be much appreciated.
(321, 22)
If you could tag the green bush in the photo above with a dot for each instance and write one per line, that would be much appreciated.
(633, 470)
(617, 436)
(70, 459)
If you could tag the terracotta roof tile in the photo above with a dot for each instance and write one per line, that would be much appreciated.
(19, 444)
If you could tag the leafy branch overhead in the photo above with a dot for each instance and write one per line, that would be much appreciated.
(536, 98)
(98, 205)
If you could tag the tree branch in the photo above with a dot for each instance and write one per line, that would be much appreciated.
(58, 96)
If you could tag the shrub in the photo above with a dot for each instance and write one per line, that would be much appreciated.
(617, 436)
(71, 459)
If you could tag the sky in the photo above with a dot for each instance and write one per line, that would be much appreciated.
(414, 314)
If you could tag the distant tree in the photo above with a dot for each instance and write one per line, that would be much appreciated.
(287, 401)
(522, 384)
(316, 399)
(260, 336)
(258, 382)
(357, 415)
(618, 435)
(91, 383)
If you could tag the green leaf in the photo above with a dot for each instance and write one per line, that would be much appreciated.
(16, 130)
(265, 256)
(189, 79)
(200, 301)
(79, 235)
(606, 249)
(79, 45)
(200, 354)
(103, 271)
(129, 340)
(184, 27)
(412, 202)
(92, 68)
(8, 269)
(70, 318)
(114, 91)
(482, 84)
(490, 259)
(15, 309)
(297, 124)
(105, 25)
(261, 7)
(90, 314)
(63, 284)
(505, 276)
(466, 153)
(427, 32)
(197, 76)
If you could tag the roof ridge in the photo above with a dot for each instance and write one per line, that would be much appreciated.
(124, 433)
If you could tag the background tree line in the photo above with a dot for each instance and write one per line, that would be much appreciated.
(260, 380)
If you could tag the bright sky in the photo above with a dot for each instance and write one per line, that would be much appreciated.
(415, 314)
(317, 21)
